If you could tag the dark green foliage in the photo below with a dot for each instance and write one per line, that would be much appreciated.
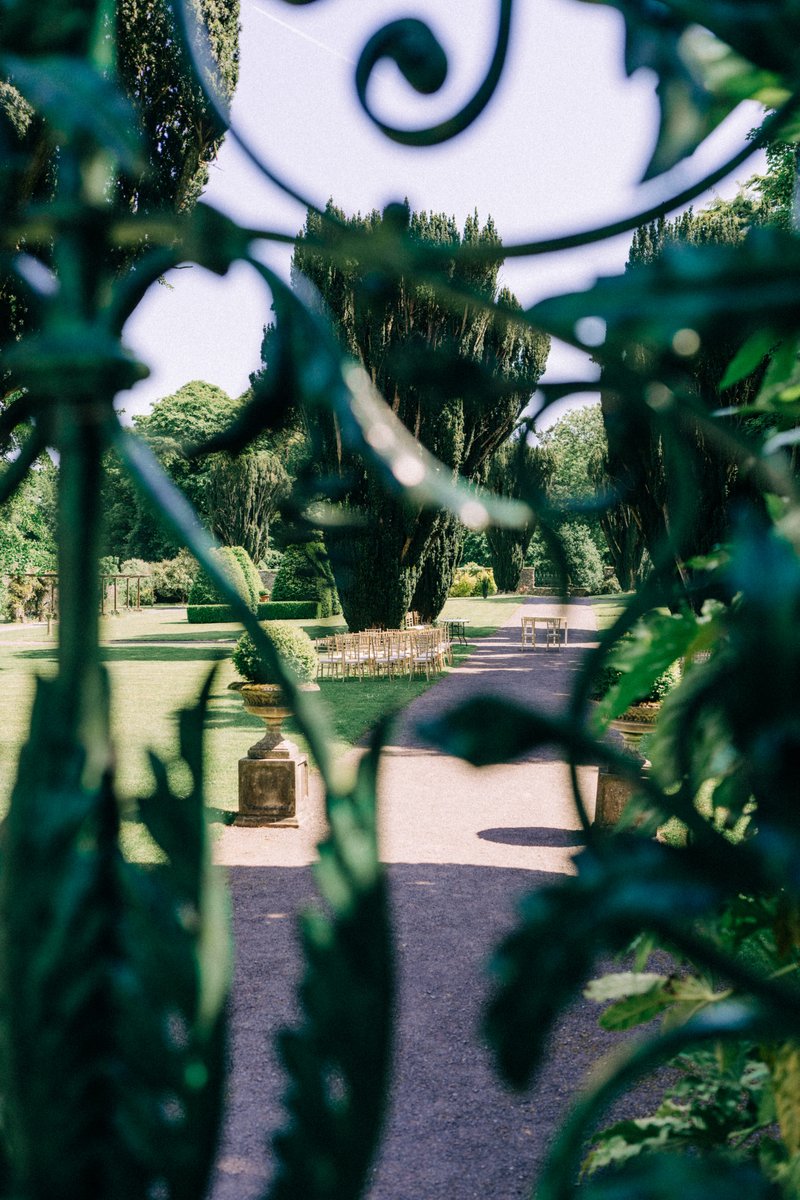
(113, 979)
(205, 591)
(294, 647)
(654, 475)
(210, 614)
(437, 569)
(176, 135)
(243, 496)
(117, 985)
(251, 575)
(181, 132)
(305, 574)
(289, 610)
(475, 548)
(568, 558)
(458, 377)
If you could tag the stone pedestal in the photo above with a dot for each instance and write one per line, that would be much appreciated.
(273, 779)
(271, 790)
(613, 794)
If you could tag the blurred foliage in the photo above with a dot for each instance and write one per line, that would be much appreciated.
(114, 979)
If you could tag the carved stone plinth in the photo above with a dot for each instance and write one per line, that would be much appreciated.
(613, 794)
(272, 790)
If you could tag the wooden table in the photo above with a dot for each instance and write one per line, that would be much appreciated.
(528, 629)
(456, 628)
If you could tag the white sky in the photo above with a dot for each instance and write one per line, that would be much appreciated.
(560, 148)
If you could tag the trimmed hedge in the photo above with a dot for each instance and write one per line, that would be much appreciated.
(289, 610)
(286, 610)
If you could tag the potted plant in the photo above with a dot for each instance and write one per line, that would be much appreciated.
(632, 721)
(638, 717)
(261, 690)
(273, 778)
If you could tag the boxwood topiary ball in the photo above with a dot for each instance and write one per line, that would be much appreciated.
(293, 645)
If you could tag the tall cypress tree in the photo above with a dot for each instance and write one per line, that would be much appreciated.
(679, 496)
(181, 133)
(458, 377)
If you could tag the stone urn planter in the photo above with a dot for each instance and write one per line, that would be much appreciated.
(267, 702)
(635, 722)
(615, 791)
(273, 778)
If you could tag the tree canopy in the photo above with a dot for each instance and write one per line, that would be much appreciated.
(457, 374)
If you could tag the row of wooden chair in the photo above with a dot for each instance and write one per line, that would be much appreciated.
(383, 653)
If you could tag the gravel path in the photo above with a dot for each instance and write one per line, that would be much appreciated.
(462, 846)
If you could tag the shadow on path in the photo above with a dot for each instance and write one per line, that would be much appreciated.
(454, 1132)
(463, 847)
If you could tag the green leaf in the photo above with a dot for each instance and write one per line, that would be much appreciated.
(621, 984)
(748, 357)
(78, 100)
(654, 645)
(637, 997)
(784, 1065)
(633, 885)
(489, 730)
(102, 990)
(665, 1176)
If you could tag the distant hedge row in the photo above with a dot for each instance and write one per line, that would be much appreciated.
(273, 610)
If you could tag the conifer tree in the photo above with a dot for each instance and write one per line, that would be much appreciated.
(181, 134)
(653, 479)
(457, 375)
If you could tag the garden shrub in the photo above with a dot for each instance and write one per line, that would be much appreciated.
(210, 614)
(475, 549)
(471, 579)
(251, 575)
(305, 573)
(203, 591)
(293, 645)
(271, 561)
(173, 578)
(608, 676)
(25, 598)
(289, 610)
(584, 565)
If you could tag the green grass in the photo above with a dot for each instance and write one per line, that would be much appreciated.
(608, 608)
(157, 664)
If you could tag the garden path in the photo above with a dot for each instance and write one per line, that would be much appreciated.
(463, 845)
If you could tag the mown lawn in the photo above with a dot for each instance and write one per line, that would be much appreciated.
(157, 664)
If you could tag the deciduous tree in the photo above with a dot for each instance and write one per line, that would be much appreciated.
(520, 471)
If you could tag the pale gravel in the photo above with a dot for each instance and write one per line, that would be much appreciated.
(462, 847)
